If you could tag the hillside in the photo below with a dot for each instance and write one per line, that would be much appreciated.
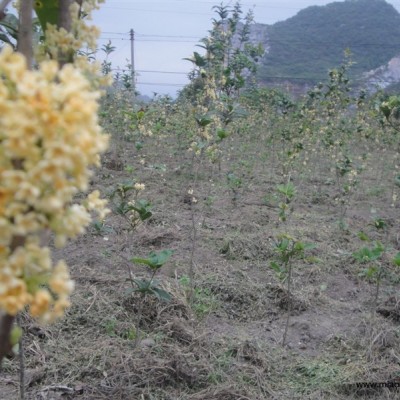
(303, 48)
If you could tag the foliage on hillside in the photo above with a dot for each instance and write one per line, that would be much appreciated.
(309, 44)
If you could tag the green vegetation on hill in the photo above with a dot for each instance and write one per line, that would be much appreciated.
(310, 43)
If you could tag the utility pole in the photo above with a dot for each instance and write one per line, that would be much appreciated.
(132, 35)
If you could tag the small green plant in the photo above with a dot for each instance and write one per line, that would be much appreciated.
(126, 203)
(106, 65)
(379, 224)
(129, 169)
(203, 300)
(346, 182)
(99, 228)
(396, 260)
(145, 287)
(371, 257)
(391, 111)
(287, 249)
(154, 262)
(234, 184)
(110, 327)
(286, 193)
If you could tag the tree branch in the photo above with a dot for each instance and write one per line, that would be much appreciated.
(6, 323)
(64, 15)
(6, 320)
(65, 22)
(25, 40)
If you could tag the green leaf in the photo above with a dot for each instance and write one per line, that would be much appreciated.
(309, 246)
(184, 280)
(380, 223)
(363, 236)
(4, 38)
(276, 267)
(161, 294)
(222, 134)
(283, 244)
(363, 255)
(377, 251)
(396, 259)
(367, 254)
(10, 23)
(154, 260)
(139, 145)
(15, 335)
(143, 285)
(197, 60)
(143, 208)
(203, 121)
(287, 190)
(47, 12)
(370, 271)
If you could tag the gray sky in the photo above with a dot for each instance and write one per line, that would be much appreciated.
(168, 31)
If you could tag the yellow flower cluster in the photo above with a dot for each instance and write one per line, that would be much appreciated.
(59, 41)
(49, 138)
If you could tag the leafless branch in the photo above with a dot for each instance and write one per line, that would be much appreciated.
(25, 42)
(64, 15)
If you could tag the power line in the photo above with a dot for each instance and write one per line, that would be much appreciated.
(111, 38)
(151, 40)
(159, 11)
(167, 41)
(161, 84)
(269, 41)
(152, 71)
(167, 36)
(115, 33)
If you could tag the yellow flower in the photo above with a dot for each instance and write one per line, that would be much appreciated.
(40, 303)
(60, 282)
(50, 137)
(97, 204)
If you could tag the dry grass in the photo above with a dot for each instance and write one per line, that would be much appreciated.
(226, 345)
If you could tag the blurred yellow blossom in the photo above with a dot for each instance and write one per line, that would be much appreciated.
(50, 137)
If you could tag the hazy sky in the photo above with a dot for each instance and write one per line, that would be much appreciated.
(168, 31)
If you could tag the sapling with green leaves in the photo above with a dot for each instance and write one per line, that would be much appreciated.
(287, 193)
(288, 249)
(234, 184)
(106, 65)
(371, 257)
(154, 262)
(149, 287)
(346, 181)
(126, 203)
(390, 108)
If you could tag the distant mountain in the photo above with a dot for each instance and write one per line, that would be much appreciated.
(303, 48)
